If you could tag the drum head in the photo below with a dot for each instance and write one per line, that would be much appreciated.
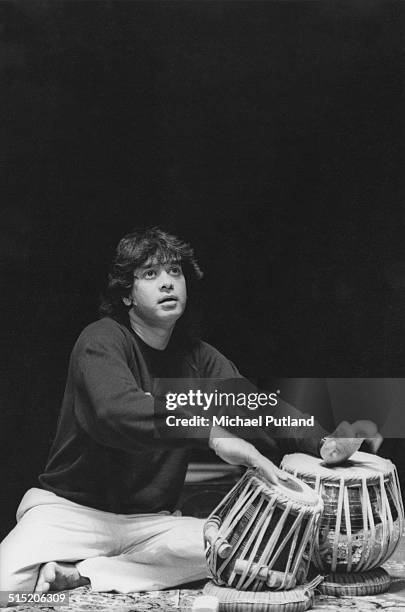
(359, 466)
(290, 490)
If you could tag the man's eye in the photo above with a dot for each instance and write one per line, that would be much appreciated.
(149, 274)
(175, 270)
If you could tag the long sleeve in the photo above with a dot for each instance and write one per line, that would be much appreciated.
(287, 439)
(110, 405)
(117, 402)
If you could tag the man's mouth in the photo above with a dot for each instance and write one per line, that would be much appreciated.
(167, 298)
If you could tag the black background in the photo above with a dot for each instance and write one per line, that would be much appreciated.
(268, 134)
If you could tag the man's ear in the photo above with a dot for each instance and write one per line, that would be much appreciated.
(127, 301)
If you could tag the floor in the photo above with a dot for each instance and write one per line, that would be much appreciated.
(83, 600)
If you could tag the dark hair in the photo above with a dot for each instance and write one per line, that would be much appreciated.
(133, 251)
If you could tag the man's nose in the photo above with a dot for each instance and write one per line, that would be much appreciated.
(166, 281)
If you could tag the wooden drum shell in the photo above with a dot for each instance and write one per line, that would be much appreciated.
(261, 535)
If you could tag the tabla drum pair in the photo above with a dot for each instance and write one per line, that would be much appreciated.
(362, 520)
(260, 538)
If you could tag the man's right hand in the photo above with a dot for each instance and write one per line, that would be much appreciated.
(236, 451)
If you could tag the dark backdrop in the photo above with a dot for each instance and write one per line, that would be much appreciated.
(267, 133)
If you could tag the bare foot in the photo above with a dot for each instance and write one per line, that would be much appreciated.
(58, 577)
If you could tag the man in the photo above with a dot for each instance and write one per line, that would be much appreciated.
(103, 512)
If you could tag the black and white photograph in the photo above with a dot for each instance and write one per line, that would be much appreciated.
(203, 290)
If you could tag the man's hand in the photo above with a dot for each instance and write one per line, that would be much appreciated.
(347, 439)
(236, 451)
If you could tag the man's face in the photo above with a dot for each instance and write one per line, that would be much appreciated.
(159, 293)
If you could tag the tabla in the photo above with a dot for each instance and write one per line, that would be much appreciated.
(261, 535)
(363, 513)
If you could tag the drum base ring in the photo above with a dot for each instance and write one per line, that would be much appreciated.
(232, 600)
(354, 584)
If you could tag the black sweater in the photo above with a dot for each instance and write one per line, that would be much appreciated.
(110, 451)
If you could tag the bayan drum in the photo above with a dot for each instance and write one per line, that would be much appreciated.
(261, 535)
(362, 520)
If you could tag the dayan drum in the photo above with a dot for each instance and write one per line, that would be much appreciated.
(261, 535)
(363, 513)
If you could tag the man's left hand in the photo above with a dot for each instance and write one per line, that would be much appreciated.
(347, 439)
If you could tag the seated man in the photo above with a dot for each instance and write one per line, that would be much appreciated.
(103, 511)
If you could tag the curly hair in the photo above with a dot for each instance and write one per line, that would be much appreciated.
(134, 250)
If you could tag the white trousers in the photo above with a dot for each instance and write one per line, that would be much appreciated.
(117, 552)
